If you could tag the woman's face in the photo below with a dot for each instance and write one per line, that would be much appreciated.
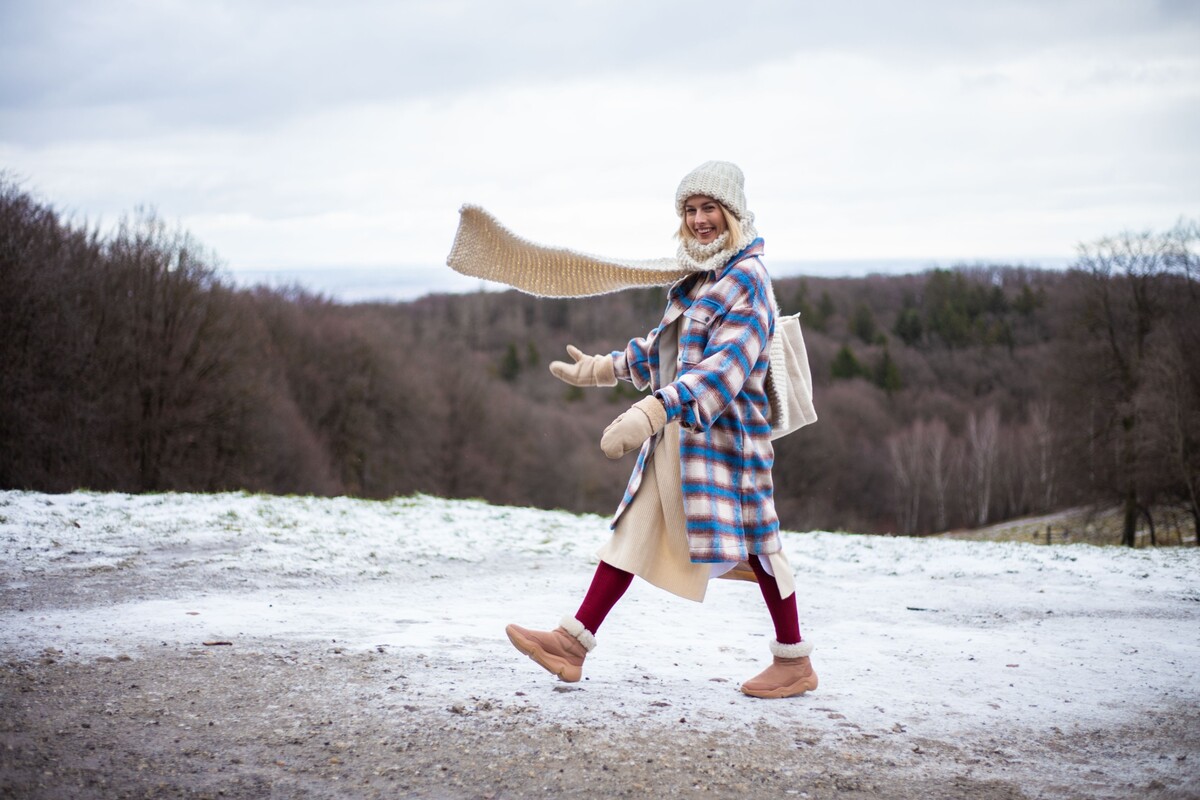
(704, 218)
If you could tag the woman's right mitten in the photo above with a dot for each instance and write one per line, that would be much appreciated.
(586, 371)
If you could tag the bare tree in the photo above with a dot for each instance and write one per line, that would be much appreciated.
(942, 463)
(1126, 294)
(175, 329)
(982, 446)
(906, 450)
(1041, 432)
(1171, 399)
(1015, 472)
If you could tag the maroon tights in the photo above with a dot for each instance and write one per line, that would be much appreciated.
(783, 609)
(607, 587)
(609, 583)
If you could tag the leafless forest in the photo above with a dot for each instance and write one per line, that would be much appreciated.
(948, 399)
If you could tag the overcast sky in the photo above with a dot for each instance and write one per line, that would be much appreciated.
(318, 134)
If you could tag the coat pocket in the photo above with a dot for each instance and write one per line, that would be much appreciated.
(693, 336)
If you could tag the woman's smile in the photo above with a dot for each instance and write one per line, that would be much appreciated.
(704, 218)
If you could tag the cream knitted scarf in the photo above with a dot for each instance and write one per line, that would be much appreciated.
(698, 257)
(483, 248)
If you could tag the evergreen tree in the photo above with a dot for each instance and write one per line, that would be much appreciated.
(997, 302)
(887, 374)
(863, 324)
(845, 365)
(825, 311)
(948, 307)
(510, 365)
(801, 303)
(1027, 302)
(908, 327)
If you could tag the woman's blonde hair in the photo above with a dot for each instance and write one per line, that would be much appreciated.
(732, 225)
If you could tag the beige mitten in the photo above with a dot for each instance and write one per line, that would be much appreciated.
(586, 371)
(626, 433)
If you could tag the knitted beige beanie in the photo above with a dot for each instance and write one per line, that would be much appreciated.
(719, 180)
(723, 182)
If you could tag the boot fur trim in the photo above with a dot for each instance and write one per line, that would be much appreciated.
(576, 629)
(797, 650)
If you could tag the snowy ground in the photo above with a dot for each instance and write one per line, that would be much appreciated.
(952, 668)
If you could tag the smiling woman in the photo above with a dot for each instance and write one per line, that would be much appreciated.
(704, 219)
(700, 501)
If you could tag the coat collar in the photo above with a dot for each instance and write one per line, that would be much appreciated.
(683, 292)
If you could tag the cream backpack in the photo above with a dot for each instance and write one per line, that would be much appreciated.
(789, 379)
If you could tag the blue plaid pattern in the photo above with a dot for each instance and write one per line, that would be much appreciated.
(718, 397)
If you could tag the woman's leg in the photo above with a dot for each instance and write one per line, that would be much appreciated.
(783, 609)
(791, 671)
(563, 650)
(608, 585)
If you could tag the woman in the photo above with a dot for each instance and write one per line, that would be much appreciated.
(699, 502)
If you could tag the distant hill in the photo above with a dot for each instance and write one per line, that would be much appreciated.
(948, 399)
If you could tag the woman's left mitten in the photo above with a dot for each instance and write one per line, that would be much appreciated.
(640, 421)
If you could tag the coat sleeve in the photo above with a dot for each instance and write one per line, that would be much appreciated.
(736, 339)
(633, 363)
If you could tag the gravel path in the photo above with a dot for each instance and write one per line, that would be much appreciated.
(266, 719)
(108, 690)
(307, 722)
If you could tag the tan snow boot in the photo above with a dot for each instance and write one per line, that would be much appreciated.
(560, 651)
(790, 673)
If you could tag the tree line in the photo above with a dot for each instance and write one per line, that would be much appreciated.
(952, 398)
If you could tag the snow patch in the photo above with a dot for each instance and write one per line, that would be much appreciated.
(926, 636)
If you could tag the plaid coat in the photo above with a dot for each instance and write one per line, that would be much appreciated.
(719, 400)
